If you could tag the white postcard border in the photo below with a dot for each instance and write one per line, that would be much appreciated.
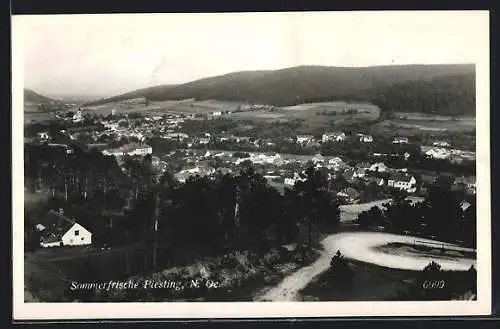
(66, 311)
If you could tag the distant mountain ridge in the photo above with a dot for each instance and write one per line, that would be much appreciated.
(451, 88)
(32, 97)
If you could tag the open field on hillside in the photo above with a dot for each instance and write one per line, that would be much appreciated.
(428, 125)
(332, 106)
(430, 117)
(316, 114)
(157, 107)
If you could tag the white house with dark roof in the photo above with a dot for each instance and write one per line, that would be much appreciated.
(400, 140)
(304, 139)
(57, 230)
(378, 167)
(318, 158)
(359, 173)
(43, 135)
(349, 193)
(376, 180)
(366, 139)
(438, 153)
(334, 137)
(403, 182)
(441, 144)
(129, 149)
(204, 140)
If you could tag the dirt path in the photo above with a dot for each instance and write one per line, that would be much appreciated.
(360, 246)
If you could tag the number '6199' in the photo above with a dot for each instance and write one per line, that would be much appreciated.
(433, 284)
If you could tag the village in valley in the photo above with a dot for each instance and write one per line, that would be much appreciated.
(389, 164)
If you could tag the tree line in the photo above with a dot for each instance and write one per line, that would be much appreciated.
(440, 215)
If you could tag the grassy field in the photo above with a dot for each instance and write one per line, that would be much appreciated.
(420, 123)
(48, 273)
(157, 107)
(322, 114)
(430, 117)
(316, 114)
(424, 251)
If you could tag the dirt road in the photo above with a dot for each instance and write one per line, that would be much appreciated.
(361, 246)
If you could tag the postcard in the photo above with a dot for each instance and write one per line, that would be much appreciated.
(243, 165)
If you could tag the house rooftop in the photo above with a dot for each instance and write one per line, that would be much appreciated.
(56, 225)
(401, 177)
(129, 147)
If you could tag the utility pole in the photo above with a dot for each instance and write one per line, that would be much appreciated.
(156, 215)
(127, 255)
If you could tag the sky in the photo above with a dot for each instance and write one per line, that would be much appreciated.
(110, 54)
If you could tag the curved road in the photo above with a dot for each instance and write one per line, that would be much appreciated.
(361, 246)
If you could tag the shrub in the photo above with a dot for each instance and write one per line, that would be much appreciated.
(339, 267)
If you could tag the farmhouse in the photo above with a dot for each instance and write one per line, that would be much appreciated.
(204, 140)
(318, 158)
(375, 180)
(262, 159)
(359, 173)
(335, 160)
(178, 136)
(441, 144)
(334, 137)
(43, 135)
(363, 165)
(366, 139)
(290, 181)
(304, 139)
(77, 117)
(200, 170)
(403, 182)
(438, 153)
(58, 230)
(129, 149)
(378, 167)
(349, 194)
(400, 140)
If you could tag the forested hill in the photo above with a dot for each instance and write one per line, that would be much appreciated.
(32, 97)
(444, 95)
(386, 85)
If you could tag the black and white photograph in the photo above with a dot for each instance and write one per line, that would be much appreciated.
(181, 163)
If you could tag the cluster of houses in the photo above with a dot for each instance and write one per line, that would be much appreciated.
(286, 170)
(129, 149)
(337, 136)
(442, 152)
(340, 136)
(75, 118)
